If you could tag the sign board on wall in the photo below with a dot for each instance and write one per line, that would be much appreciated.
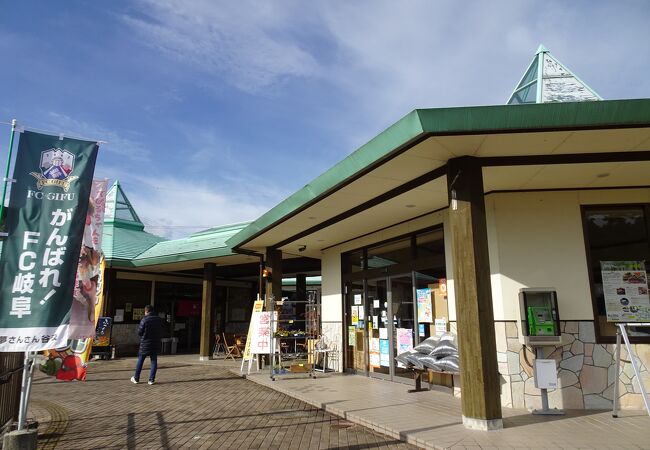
(625, 287)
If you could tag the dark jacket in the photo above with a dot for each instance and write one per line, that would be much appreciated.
(150, 331)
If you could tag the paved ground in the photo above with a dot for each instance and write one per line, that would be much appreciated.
(192, 405)
(432, 419)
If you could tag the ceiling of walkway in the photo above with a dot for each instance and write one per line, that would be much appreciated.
(433, 153)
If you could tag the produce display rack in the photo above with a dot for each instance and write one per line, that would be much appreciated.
(293, 337)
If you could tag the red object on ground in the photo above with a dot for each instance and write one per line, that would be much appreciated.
(71, 369)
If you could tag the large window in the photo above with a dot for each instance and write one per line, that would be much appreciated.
(615, 233)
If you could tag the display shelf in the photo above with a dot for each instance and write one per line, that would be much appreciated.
(294, 349)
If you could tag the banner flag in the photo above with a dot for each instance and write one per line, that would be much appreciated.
(70, 362)
(45, 224)
(83, 318)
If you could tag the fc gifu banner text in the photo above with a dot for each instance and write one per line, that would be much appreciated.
(45, 222)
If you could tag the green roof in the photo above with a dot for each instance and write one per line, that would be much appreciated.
(121, 244)
(204, 244)
(450, 121)
(125, 243)
(123, 237)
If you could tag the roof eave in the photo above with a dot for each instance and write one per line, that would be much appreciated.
(450, 121)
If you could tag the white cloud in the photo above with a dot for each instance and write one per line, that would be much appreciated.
(381, 59)
(174, 208)
(125, 143)
(250, 47)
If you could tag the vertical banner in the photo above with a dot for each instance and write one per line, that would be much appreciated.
(70, 362)
(89, 270)
(46, 220)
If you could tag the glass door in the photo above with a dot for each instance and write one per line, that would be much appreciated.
(355, 347)
(379, 328)
(403, 325)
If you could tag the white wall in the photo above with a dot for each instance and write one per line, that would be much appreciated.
(536, 240)
(331, 296)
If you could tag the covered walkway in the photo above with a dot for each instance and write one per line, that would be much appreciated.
(432, 419)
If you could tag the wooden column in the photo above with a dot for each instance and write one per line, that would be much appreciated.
(209, 275)
(480, 387)
(301, 287)
(274, 284)
(301, 296)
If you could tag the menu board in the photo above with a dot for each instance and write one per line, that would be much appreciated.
(625, 287)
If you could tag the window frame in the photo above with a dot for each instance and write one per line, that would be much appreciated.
(602, 339)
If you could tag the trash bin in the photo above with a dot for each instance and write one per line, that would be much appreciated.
(174, 345)
(166, 344)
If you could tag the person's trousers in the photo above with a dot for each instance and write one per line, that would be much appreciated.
(152, 370)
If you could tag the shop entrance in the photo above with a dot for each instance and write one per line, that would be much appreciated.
(381, 291)
(382, 323)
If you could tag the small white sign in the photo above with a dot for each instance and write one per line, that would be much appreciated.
(545, 372)
(440, 326)
(357, 299)
(119, 315)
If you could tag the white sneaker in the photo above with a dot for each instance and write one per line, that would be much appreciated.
(134, 381)
(150, 382)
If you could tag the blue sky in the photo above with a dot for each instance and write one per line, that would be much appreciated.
(215, 111)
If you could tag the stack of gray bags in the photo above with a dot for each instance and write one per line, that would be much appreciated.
(438, 353)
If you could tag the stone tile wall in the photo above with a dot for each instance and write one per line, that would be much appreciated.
(586, 370)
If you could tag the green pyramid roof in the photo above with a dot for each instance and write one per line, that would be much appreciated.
(547, 80)
(124, 237)
(119, 209)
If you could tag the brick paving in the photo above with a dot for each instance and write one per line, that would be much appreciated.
(191, 406)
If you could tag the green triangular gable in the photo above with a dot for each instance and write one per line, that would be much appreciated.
(119, 209)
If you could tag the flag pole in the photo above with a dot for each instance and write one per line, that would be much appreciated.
(6, 178)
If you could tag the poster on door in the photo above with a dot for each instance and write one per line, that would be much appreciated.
(384, 353)
(425, 310)
(373, 353)
(355, 315)
(404, 342)
(625, 287)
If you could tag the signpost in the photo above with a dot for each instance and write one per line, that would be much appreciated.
(258, 307)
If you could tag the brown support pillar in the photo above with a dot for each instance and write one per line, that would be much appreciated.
(480, 387)
(301, 287)
(209, 274)
(274, 284)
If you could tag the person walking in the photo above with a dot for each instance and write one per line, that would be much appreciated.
(150, 332)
